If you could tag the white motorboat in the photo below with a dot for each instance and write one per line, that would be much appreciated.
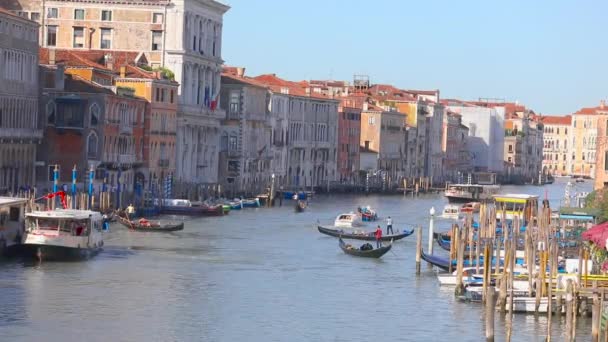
(348, 220)
(12, 211)
(63, 234)
(451, 211)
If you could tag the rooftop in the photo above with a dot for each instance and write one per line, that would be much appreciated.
(556, 119)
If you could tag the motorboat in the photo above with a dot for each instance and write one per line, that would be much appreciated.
(462, 193)
(451, 211)
(348, 220)
(367, 214)
(12, 215)
(63, 234)
(470, 208)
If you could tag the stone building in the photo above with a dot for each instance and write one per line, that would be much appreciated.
(583, 133)
(19, 132)
(246, 136)
(601, 156)
(384, 137)
(88, 125)
(349, 133)
(307, 156)
(454, 145)
(184, 36)
(556, 143)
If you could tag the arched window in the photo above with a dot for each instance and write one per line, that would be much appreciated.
(94, 111)
(92, 145)
(50, 112)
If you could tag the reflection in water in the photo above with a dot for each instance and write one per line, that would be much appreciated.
(255, 275)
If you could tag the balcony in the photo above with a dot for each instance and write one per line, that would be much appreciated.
(20, 133)
(126, 158)
(163, 162)
(126, 129)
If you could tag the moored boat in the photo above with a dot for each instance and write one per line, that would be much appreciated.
(364, 252)
(470, 208)
(63, 234)
(462, 193)
(362, 235)
(451, 212)
(12, 216)
(251, 203)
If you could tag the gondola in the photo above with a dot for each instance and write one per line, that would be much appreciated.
(372, 253)
(366, 237)
(153, 227)
(444, 263)
(300, 206)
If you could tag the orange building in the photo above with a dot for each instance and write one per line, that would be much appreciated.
(584, 131)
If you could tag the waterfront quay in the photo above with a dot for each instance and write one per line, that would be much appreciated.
(255, 269)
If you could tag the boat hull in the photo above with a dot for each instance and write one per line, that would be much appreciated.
(363, 237)
(59, 253)
(374, 253)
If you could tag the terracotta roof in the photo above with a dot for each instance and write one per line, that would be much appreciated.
(77, 84)
(556, 119)
(68, 58)
(422, 92)
(13, 15)
(592, 110)
(244, 79)
(278, 84)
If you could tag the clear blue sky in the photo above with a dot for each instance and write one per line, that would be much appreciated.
(550, 55)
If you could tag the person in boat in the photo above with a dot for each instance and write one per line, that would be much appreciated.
(144, 223)
(378, 237)
(389, 225)
(130, 211)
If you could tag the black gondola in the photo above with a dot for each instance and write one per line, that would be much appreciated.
(366, 237)
(300, 206)
(152, 227)
(443, 263)
(371, 253)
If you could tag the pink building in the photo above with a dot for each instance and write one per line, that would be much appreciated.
(349, 132)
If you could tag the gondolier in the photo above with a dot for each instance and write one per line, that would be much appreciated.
(389, 226)
(378, 237)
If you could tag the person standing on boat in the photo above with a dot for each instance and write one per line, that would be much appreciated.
(130, 211)
(378, 237)
(389, 225)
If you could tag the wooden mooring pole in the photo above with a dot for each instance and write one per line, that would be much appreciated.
(595, 314)
(490, 309)
(418, 248)
(569, 310)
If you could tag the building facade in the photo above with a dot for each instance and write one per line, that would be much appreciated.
(601, 156)
(19, 132)
(584, 130)
(384, 134)
(90, 127)
(454, 145)
(184, 37)
(246, 137)
(486, 134)
(349, 133)
(309, 123)
(556, 144)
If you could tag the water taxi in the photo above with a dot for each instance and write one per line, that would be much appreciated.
(451, 211)
(12, 211)
(515, 205)
(458, 193)
(348, 220)
(63, 234)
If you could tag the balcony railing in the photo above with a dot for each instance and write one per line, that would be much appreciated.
(126, 158)
(126, 129)
(25, 133)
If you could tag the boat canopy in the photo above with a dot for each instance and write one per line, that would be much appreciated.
(71, 214)
(579, 214)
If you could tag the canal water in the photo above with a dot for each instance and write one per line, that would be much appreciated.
(254, 275)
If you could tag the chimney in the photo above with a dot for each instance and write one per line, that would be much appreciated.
(123, 71)
(60, 77)
(602, 104)
(109, 61)
(240, 72)
(52, 56)
(365, 106)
